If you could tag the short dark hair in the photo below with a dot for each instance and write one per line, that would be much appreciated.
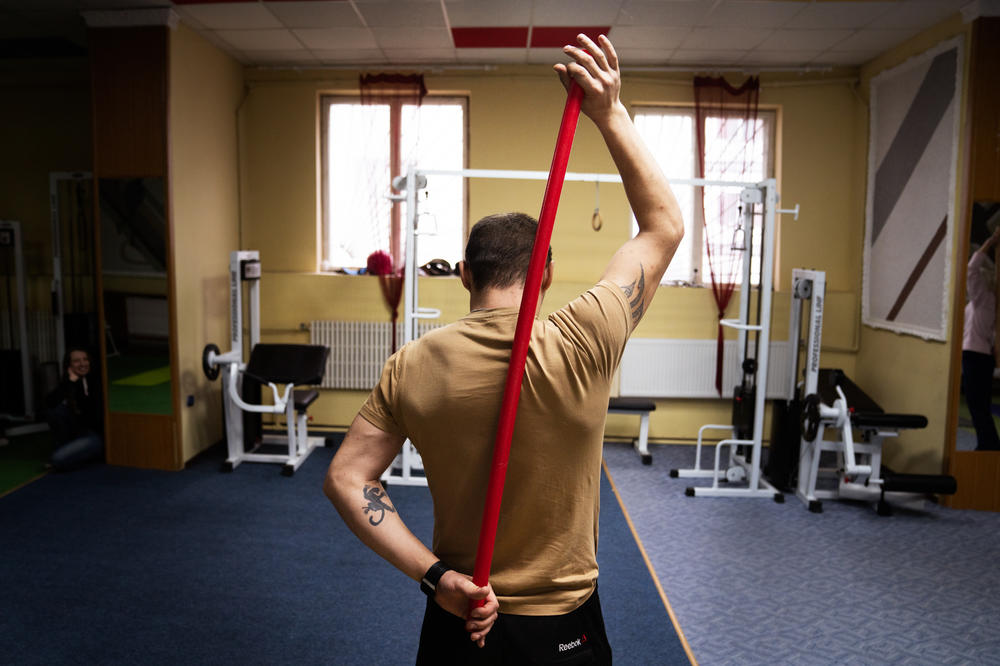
(499, 250)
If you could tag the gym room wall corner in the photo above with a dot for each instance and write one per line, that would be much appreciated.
(977, 472)
(129, 79)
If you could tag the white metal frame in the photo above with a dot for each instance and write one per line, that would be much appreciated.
(857, 470)
(739, 467)
(407, 467)
(14, 229)
(300, 445)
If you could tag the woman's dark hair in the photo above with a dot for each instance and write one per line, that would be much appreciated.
(499, 250)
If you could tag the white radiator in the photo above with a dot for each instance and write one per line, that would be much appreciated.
(667, 368)
(358, 350)
(651, 368)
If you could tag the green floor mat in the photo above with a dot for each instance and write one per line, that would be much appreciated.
(148, 378)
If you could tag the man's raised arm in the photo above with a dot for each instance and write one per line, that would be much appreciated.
(639, 264)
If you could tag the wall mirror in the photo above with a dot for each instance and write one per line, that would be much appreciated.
(136, 313)
(979, 401)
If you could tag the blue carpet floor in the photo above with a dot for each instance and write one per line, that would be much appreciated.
(110, 565)
(756, 582)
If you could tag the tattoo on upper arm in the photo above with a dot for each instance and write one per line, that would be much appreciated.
(635, 293)
(378, 502)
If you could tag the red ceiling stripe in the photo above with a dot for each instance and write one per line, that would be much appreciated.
(233, 2)
(559, 36)
(490, 38)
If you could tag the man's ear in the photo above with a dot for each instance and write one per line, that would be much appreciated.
(547, 276)
(465, 274)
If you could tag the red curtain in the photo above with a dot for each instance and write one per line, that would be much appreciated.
(393, 90)
(726, 123)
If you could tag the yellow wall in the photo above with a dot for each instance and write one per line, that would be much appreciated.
(513, 118)
(903, 373)
(44, 127)
(206, 87)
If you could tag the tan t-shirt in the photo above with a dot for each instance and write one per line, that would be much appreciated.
(444, 390)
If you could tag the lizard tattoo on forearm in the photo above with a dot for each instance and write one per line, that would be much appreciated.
(635, 292)
(376, 504)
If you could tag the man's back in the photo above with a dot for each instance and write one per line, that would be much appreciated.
(545, 557)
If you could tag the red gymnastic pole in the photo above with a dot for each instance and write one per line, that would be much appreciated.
(522, 335)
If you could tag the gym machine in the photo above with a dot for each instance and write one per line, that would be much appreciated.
(743, 463)
(832, 409)
(269, 364)
(16, 388)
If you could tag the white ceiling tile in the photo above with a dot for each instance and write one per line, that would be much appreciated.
(402, 14)
(233, 16)
(547, 56)
(871, 39)
(731, 39)
(629, 57)
(579, 12)
(818, 15)
(444, 56)
(429, 38)
(797, 40)
(315, 14)
(917, 14)
(519, 56)
(337, 38)
(260, 40)
(477, 14)
(771, 58)
(846, 57)
(342, 56)
(752, 14)
(707, 57)
(643, 37)
(674, 14)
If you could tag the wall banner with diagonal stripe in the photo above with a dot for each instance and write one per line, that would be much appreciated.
(912, 160)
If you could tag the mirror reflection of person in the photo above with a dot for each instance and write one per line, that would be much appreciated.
(978, 343)
(76, 414)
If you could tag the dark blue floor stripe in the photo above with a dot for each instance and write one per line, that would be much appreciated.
(113, 565)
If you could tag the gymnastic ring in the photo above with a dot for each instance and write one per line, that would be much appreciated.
(810, 417)
(210, 369)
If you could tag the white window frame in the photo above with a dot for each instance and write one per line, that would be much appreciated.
(398, 217)
(694, 228)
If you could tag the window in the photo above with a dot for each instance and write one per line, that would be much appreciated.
(670, 134)
(364, 147)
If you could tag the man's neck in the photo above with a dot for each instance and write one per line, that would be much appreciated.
(492, 299)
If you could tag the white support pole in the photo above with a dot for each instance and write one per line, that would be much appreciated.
(56, 177)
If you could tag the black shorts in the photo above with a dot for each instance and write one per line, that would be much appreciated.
(577, 637)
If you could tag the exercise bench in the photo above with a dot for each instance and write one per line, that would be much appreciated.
(840, 405)
(642, 407)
